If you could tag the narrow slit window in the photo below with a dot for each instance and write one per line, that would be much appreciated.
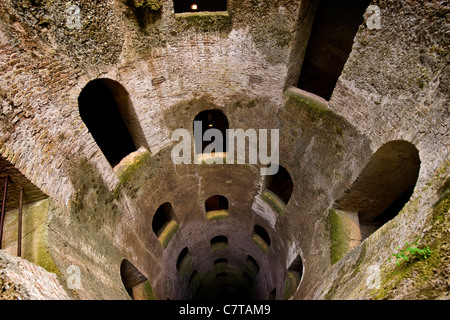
(293, 277)
(261, 238)
(219, 239)
(183, 258)
(219, 243)
(297, 266)
(216, 207)
(279, 188)
(161, 218)
(260, 231)
(252, 264)
(384, 186)
(194, 282)
(135, 283)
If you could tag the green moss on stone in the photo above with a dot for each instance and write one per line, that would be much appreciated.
(219, 246)
(339, 237)
(129, 169)
(185, 265)
(216, 215)
(261, 243)
(274, 201)
(442, 206)
(148, 290)
(143, 291)
(45, 259)
(426, 278)
(251, 268)
(167, 233)
(195, 282)
(316, 107)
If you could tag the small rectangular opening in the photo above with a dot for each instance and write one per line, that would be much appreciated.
(181, 6)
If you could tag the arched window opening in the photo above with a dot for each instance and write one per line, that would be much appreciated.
(220, 261)
(261, 238)
(278, 190)
(210, 119)
(219, 243)
(183, 259)
(252, 264)
(216, 207)
(330, 43)
(383, 188)
(297, 267)
(260, 231)
(164, 224)
(293, 277)
(105, 108)
(199, 5)
(136, 284)
(219, 239)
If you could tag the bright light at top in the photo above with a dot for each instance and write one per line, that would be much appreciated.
(194, 7)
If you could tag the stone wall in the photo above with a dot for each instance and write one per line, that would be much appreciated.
(394, 87)
(22, 280)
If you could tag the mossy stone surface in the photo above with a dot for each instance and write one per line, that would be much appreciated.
(292, 281)
(204, 21)
(216, 215)
(168, 231)
(274, 201)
